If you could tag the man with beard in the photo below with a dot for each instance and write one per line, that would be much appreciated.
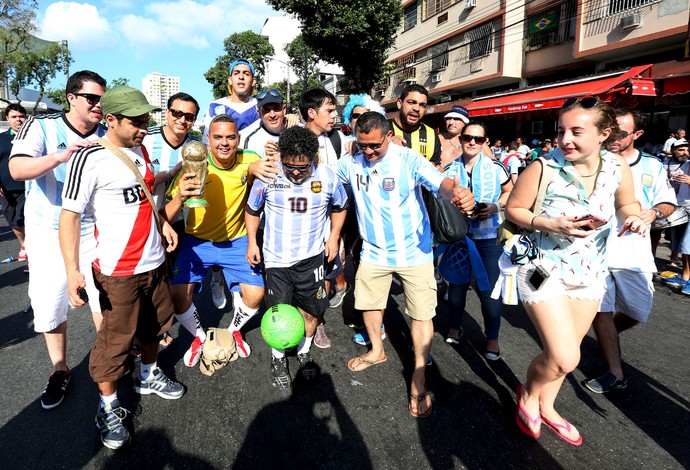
(629, 289)
(408, 129)
(296, 206)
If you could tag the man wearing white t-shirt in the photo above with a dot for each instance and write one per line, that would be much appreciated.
(629, 290)
(678, 135)
(129, 268)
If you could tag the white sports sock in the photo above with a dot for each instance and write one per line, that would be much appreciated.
(107, 400)
(304, 345)
(278, 353)
(242, 313)
(145, 371)
(190, 320)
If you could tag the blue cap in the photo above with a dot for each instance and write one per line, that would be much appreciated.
(237, 62)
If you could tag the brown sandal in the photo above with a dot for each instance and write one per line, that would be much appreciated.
(419, 398)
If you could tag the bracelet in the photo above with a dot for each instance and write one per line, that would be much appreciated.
(531, 224)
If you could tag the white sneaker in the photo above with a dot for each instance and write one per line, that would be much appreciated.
(193, 354)
(218, 292)
(243, 348)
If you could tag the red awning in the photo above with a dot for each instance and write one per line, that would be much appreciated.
(677, 85)
(643, 87)
(549, 98)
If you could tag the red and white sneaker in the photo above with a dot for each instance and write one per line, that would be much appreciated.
(243, 348)
(22, 254)
(193, 354)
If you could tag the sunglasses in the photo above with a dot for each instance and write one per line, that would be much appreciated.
(273, 92)
(355, 116)
(586, 103)
(363, 147)
(89, 97)
(624, 134)
(298, 168)
(467, 138)
(177, 114)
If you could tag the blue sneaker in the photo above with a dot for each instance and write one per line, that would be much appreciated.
(686, 289)
(676, 281)
(363, 337)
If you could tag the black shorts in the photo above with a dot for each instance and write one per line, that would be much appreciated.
(301, 285)
(13, 208)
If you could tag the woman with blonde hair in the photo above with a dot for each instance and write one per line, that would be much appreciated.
(562, 287)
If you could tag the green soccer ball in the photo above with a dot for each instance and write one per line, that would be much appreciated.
(282, 326)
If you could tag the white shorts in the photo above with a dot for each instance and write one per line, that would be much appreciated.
(628, 292)
(48, 278)
(684, 245)
(553, 287)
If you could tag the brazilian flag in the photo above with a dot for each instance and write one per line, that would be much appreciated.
(541, 23)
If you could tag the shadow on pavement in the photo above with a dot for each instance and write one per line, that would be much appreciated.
(16, 328)
(310, 429)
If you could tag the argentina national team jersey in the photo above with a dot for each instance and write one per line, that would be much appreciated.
(44, 135)
(296, 214)
(393, 221)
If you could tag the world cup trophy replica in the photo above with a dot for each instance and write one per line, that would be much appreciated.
(194, 158)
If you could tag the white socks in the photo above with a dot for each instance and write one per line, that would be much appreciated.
(105, 401)
(278, 353)
(146, 369)
(304, 345)
(242, 313)
(190, 320)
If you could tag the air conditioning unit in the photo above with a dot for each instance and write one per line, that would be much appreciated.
(410, 81)
(470, 3)
(436, 77)
(631, 21)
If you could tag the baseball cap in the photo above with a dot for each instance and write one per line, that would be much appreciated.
(237, 62)
(126, 101)
(680, 143)
(458, 112)
(547, 141)
(269, 96)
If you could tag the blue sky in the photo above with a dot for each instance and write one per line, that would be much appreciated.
(131, 38)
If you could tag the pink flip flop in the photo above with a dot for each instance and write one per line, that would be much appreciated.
(565, 427)
(521, 424)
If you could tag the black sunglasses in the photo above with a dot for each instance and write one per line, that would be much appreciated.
(89, 97)
(467, 138)
(586, 103)
(299, 168)
(530, 253)
(177, 114)
(273, 92)
(625, 134)
(355, 116)
(363, 147)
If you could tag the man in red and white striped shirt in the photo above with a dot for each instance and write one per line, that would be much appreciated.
(129, 269)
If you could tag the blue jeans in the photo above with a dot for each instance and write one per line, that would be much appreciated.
(489, 252)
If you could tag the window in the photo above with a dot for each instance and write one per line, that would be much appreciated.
(442, 18)
(480, 40)
(617, 6)
(405, 68)
(433, 7)
(410, 15)
(550, 27)
(439, 56)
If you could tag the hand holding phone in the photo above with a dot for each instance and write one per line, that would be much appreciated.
(594, 221)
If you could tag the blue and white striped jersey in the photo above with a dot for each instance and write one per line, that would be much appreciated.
(40, 136)
(392, 218)
(243, 113)
(163, 157)
(296, 215)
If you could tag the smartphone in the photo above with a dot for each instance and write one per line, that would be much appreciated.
(481, 206)
(538, 277)
(594, 220)
(81, 292)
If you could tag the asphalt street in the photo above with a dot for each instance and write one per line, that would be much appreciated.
(237, 419)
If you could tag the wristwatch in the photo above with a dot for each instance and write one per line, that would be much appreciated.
(659, 214)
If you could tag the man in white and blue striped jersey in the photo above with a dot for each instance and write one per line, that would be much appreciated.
(396, 234)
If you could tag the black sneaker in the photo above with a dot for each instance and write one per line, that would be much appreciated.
(605, 383)
(109, 420)
(160, 384)
(281, 375)
(56, 389)
(307, 366)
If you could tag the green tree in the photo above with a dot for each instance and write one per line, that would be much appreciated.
(296, 89)
(16, 26)
(119, 81)
(302, 58)
(244, 45)
(37, 67)
(356, 34)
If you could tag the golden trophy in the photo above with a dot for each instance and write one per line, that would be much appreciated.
(194, 158)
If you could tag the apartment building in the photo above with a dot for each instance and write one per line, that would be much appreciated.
(157, 88)
(513, 63)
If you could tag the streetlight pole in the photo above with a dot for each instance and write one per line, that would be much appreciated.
(287, 67)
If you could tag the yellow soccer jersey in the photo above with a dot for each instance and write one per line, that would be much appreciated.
(226, 192)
